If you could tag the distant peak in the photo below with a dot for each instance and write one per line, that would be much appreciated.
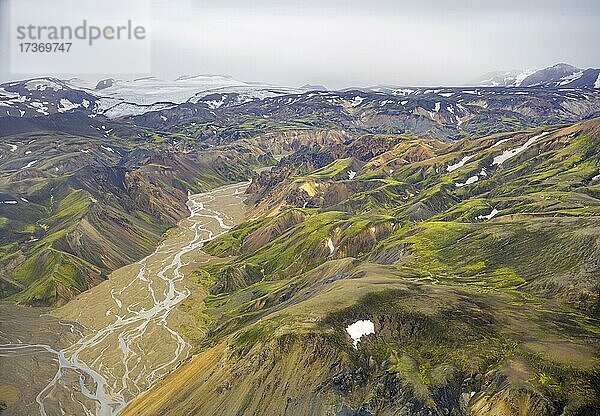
(563, 65)
(313, 87)
(105, 83)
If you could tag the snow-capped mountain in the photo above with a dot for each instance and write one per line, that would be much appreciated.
(565, 76)
(41, 97)
(557, 76)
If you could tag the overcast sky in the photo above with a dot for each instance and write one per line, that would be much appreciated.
(360, 43)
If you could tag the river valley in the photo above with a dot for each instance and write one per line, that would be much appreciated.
(95, 354)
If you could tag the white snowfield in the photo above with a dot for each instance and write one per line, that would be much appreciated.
(499, 142)
(469, 181)
(107, 148)
(460, 163)
(330, 246)
(359, 329)
(30, 164)
(570, 78)
(489, 216)
(356, 101)
(66, 105)
(142, 95)
(42, 84)
(521, 77)
(507, 154)
(8, 94)
(214, 104)
(112, 108)
(512, 78)
(39, 105)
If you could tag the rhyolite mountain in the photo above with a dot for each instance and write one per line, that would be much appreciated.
(462, 223)
(475, 261)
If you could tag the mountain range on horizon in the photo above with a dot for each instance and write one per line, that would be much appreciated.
(558, 75)
(122, 98)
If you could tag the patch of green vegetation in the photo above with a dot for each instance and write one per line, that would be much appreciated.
(427, 349)
(86, 204)
(494, 255)
(296, 250)
(29, 229)
(547, 382)
(69, 209)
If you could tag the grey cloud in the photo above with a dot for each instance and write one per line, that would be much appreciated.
(343, 43)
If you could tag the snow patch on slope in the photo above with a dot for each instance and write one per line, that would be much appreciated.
(460, 163)
(570, 78)
(489, 216)
(469, 181)
(30, 164)
(507, 154)
(356, 101)
(66, 105)
(330, 246)
(359, 329)
(499, 142)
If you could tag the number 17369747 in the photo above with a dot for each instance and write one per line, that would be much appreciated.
(45, 47)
